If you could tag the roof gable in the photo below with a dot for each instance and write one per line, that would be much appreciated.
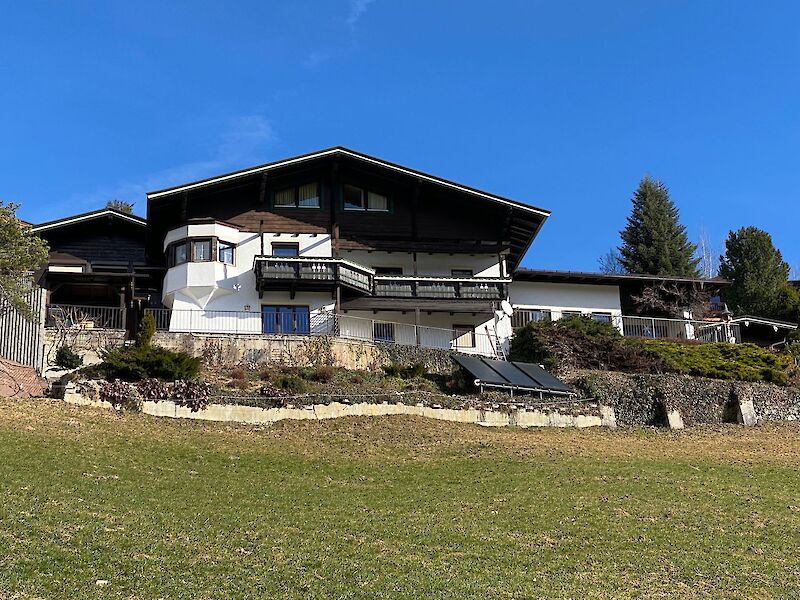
(341, 151)
(95, 214)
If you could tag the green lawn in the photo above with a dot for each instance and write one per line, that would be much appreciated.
(390, 508)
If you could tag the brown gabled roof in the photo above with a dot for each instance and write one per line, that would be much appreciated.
(63, 222)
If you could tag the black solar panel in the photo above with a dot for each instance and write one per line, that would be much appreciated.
(512, 375)
(543, 377)
(477, 368)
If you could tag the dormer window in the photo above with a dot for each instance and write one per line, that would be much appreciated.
(356, 198)
(301, 196)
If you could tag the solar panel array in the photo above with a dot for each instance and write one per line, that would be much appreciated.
(512, 375)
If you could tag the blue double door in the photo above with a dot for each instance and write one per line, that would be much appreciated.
(286, 320)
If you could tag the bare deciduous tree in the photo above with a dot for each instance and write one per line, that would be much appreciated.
(708, 255)
(610, 262)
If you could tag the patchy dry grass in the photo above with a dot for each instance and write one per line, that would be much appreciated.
(390, 507)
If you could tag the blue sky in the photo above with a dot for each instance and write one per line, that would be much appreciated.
(564, 105)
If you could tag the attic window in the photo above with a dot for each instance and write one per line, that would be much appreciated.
(301, 196)
(356, 198)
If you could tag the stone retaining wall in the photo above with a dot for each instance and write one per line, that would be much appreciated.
(652, 399)
(234, 350)
(302, 351)
(602, 416)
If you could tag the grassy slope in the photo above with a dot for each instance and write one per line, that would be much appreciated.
(392, 507)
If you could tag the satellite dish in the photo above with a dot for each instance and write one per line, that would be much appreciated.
(507, 308)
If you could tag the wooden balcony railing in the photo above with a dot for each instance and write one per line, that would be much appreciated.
(440, 287)
(312, 272)
(315, 272)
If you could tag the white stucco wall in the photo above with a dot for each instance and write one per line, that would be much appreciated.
(215, 286)
(227, 293)
(559, 297)
(432, 265)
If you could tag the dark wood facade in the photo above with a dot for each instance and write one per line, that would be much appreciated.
(424, 214)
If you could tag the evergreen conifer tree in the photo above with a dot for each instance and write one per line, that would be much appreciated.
(653, 241)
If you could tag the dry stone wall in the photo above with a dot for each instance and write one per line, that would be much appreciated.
(650, 399)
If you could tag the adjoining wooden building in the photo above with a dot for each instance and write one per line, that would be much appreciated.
(97, 271)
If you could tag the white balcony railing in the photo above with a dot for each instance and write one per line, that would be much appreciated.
(680, 329)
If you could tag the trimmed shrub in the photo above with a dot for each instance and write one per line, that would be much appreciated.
(579, 343)
(67, 358)
(323, 374)
(411, 371)
(392, 370)
(293, 383)
(134, 363)
(239, 374)
(582, 343)
(416, 369)
(147, 329)
(742, 362)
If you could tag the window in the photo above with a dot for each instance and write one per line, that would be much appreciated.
(201, 250)
(570, 313)
(353, 198)
(285, 320)
(388, 270)
(382, 332)
(303, 196)
(523, 316)
(377, 202)
(308, 196)
(461, 273)
(180, 253)
(602, 317)
(279, 249)
(225, 253)
(463, 336)
(284, 198)
(356, 198)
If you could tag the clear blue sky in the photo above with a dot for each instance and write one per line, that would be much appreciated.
(565, 105)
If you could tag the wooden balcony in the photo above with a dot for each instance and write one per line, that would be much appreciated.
(446, 288)
(299, 273)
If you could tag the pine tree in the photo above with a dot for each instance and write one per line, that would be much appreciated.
(758, 274)
(653, 241)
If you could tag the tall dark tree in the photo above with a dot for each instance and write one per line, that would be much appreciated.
(759, 276)
(653, 241)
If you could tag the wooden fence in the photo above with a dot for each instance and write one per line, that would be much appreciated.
(22, 340)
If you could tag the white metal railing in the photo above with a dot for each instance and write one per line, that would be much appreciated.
(679, 329)
(327, 323)
(523, 316)
(84, 317)
(649, 327)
